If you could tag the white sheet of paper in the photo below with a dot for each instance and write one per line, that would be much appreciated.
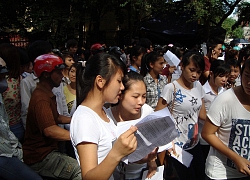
(154, 130)
(158, 175)
(182, 156)
(165, 147)
(171, 58)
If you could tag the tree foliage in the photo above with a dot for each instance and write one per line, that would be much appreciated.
(213, 12)
(64, 19)
(243, 11)
(236, 33)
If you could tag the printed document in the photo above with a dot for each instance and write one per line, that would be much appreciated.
(156, 129)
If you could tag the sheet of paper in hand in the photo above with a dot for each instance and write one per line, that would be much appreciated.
(171, 59)
(156, 129)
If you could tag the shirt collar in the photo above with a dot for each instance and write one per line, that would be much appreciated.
(34, 77)
(132, 68)
(149, 78)
(207, 88)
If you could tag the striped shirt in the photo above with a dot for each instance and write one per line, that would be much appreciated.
(9, 144)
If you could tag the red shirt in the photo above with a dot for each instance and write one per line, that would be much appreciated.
(203, 79)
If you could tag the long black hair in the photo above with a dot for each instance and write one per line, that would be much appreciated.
(102, 64)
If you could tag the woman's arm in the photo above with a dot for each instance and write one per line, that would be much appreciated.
(203, 113)
(161, 104)
(87, 152)
(208, 133)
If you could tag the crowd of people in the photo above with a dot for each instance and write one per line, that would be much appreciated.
(59, 110)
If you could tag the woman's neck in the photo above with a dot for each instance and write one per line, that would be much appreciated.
(242, 62)
(65, 72)
(154, 75)
(184, 83)
(94, 101)
(72, 85)
(135, 66)
(213, 86)
(121, 115)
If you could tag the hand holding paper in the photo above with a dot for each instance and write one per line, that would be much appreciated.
(156, 129)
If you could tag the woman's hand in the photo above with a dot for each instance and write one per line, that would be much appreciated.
(153, 155)
(172, 69)
(242, 165)
(152, 166)
(125, 144)
(172, 150)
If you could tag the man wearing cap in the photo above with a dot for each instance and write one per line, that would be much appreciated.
(11, 153)
(42, 132)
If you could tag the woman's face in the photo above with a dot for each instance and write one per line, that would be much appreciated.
(138, 59)
(69, 61)
(113, 90)
(220, 80)
(72, 74)
(245, 80)
(234, 73)
(158, 65)
(133, 98)
(191, 73)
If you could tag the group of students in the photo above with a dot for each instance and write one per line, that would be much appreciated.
(212, 122)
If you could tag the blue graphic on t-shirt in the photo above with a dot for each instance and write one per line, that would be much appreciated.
(179, 96)
(239, 139)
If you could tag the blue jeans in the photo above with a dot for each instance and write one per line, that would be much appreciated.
(11, 168)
